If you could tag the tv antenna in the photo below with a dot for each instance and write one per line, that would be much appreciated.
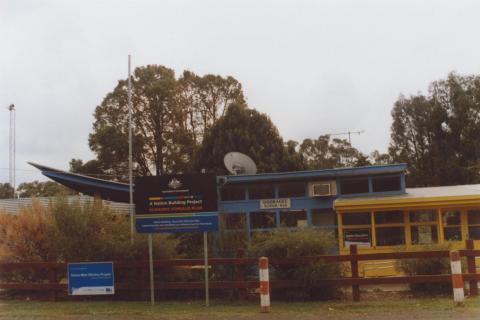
(239, 163)
(349, 133)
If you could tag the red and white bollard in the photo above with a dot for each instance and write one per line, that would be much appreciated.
(264, 285)
(457, 278)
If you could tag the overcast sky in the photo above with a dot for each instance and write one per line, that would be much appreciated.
(314, 67)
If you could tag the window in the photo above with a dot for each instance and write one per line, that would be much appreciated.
(261, 191)
(424, 234)
(293, 218)
(262, 220)
(354, 186)
(233, 221)
(323, 217)
(423, 226)
(383, 184)
(474, 224)
(291, 189)
(390, 236)
(389, 228)
(231, 193)
(384, 217)
(356, 218)
(423, 216)
(451, 225)
(357, 229)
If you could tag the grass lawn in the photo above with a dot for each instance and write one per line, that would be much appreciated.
(385, 308)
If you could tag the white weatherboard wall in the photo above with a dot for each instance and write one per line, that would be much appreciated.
(13, 206)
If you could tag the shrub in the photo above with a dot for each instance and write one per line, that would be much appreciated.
(74, 232)
(427, 266)
(68, 232)
(27, 236)
(284, 243)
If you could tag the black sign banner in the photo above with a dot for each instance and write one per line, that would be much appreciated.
(176, 203)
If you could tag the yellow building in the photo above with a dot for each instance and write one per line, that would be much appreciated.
(421, 216)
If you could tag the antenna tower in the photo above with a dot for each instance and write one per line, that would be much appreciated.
(349, 133)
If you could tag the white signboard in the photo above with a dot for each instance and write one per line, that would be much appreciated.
(361, 238)
(282, 203)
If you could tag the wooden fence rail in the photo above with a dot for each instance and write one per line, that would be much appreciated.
(50, 277)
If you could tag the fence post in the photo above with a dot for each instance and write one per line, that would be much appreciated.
(52, 279)
(264, 285)
(472, 269)
(354, 267)
(240, 275)
(457, 278)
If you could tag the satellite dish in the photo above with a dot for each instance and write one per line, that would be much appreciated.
(239, 163)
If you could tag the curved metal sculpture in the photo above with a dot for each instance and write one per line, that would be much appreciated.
(105, 189)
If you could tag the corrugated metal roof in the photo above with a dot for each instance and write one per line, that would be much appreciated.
(13, 206)
(429, 196)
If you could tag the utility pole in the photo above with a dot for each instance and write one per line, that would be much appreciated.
(130, 161)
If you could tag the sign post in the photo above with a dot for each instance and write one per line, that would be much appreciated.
(205, 255)
(150, 261)
(176, 203)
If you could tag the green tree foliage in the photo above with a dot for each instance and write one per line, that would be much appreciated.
(293, 158)
(326, 153)
(6, 191)
(170, 117)
(205, 99)
(378, 158)
(91, 167)
(248, 131)
(284, 243)
(41, 189)
(438, 135)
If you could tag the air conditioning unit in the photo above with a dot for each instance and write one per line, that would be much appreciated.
(322, 189)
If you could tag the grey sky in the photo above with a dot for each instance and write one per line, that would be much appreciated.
(314, 66)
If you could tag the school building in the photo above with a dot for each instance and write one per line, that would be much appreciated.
(367, 206)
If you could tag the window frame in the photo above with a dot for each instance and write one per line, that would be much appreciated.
(453, 226)
(374, 177)
(341, 191)
(402, 225)
(434, 222)
(355, 227)
(289, 211)
(262, 212)
(473, 225)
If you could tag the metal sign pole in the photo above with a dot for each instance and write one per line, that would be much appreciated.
(130, 162)
(150, 255)
(205, 254)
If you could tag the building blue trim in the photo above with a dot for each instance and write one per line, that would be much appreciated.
(315, 174)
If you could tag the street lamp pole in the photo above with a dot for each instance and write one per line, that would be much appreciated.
(11, 108)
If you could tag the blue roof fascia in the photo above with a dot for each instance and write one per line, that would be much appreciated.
(315, 174)
(86, 181)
